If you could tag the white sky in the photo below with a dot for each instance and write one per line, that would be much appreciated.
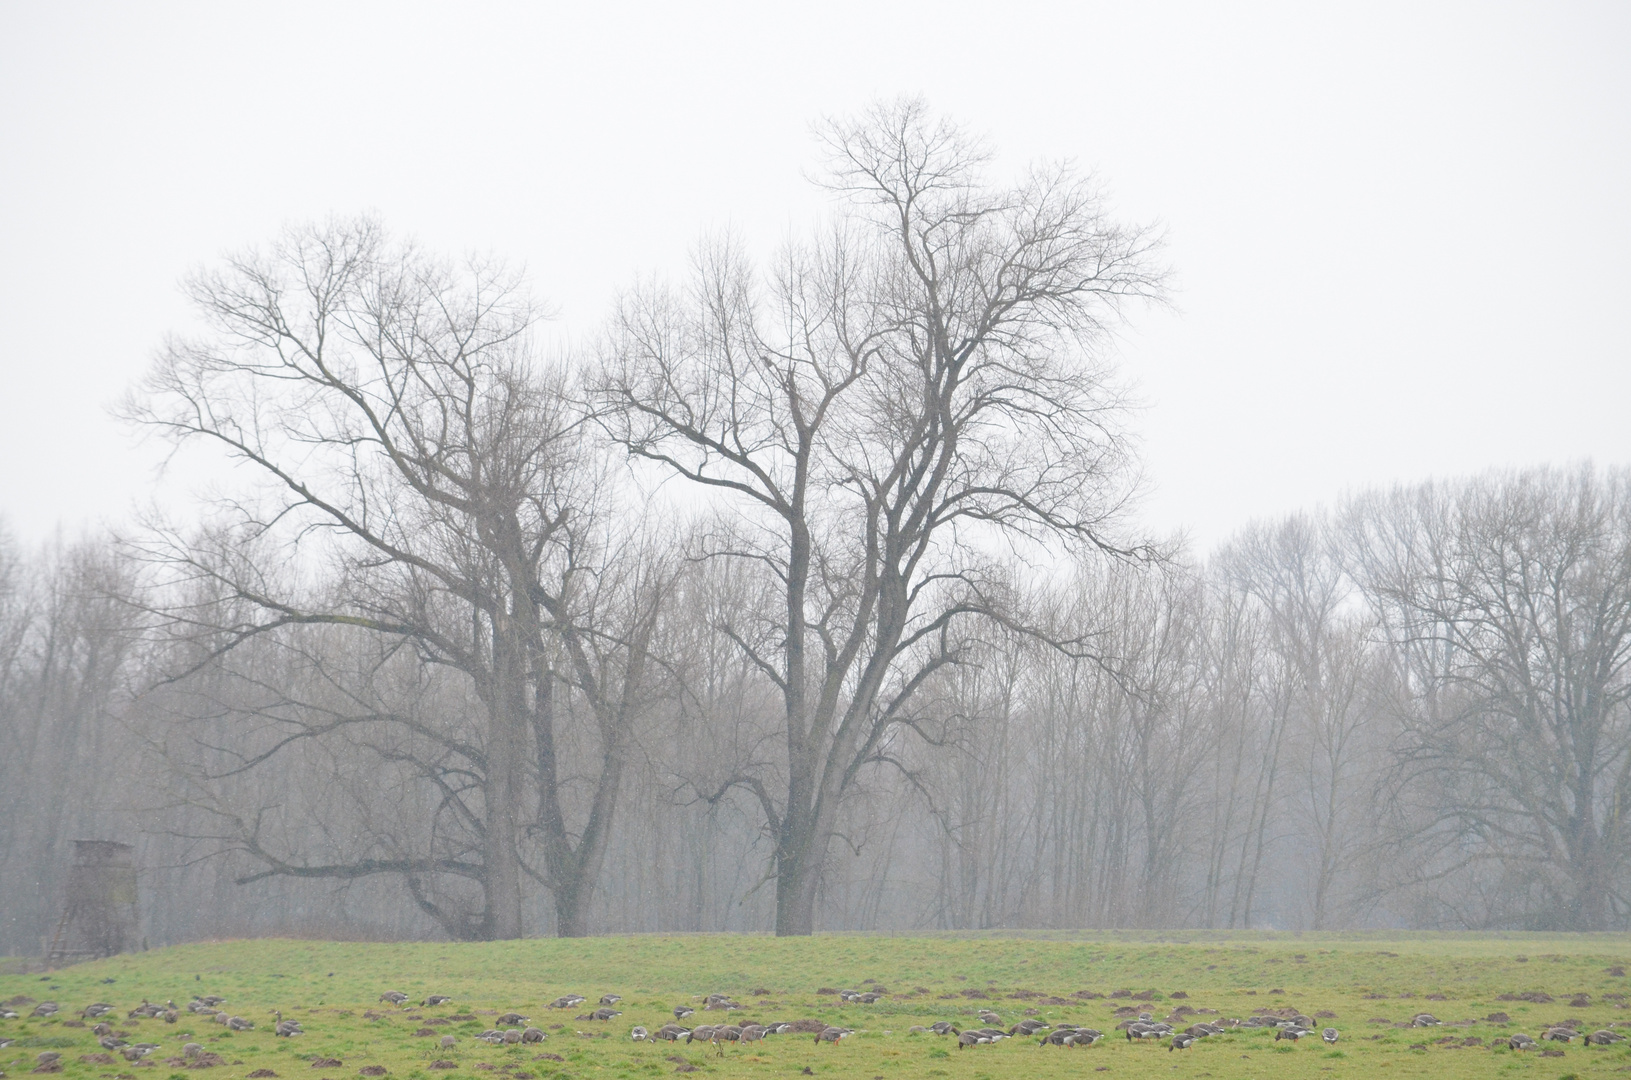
(1402, 232)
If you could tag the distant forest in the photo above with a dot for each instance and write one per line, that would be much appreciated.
(810, 596)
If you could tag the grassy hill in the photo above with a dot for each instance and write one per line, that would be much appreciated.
(1368, 982)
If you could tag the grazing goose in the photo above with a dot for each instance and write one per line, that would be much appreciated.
(533, 1035)
(47, 1008)
(1084, 1037)
(610, 999)
(567, 1001)
(967, 1039)
(1330, 1035)
(1424, 1020)
(700, 1033)
(943, 1027)
(1292, 1033)
(1520, 1041)
(672, 1032)
(238, 1023)
(1181, 1041)
(108, 1042)
(832, 1034)
(191, 1050)
(1604, 1038)
(989, 1017)
(682, 1011)
(639, 1034)
(1560, 1033)
(7, 1014)
(91, 1012)
(435, 1000)
(395, 997)
(511, 1018)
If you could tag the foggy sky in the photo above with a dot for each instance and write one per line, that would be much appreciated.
(1400, 231)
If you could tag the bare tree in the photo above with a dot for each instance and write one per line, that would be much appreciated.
(1507, 602)
(410, 444)
(899, 399)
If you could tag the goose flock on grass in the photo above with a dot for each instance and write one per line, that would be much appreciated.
(515, 1028)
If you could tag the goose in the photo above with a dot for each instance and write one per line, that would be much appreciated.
(1084, 1037)
(943, 1027)
(1423, 1020)
(1181, 1041)
(1028, 1027)
(238, 1023)
(682, 1011)
(191, 1050)
(1559, 1033)
(395, 997)
(533, 1035)
(108, 1042)
(1520, 1041)
(46, 1008)
(639, 1034)
(778, 1029)
(102, 1029)
(752, 1033)
(91, 1012)
(967, 1039)
(7, 1014)
(832, 1034)
(212, 1000)
(1330, 1035)
(436, 999)
(1143, 1031)
(137, 1052)
(700, 1033)
(989, 1017)
(1604, 1038)
(672, 1032)
(610, 999)
(1292, 1033)
(567, 1001)
(1057, 1037)
(512, 1037)
(510, 1019)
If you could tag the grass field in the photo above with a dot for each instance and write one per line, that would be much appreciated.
(1369, 982)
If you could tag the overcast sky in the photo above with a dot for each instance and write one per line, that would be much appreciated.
(1401, 232)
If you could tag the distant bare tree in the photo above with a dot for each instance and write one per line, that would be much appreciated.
(410, 446)
(1507, 601)
(902, 398)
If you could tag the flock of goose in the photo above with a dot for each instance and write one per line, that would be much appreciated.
(515, 1028)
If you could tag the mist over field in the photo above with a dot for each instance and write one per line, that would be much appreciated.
(811, 586)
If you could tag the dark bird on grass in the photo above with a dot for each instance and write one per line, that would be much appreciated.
(1292, 1033)
(212, 1000)
(1423, 1020)
(533, 1035)
(1330, 1035)
(989, 1017)
(1604, 1038)
(102, 1029)
(672, 1032)
(1520, 1041)
(1144, 1031)
(45, 1008)
(436, 999)
(778, 1029)
(512, 1037)
(639, 1034)
(1181, 1041)
(91, 1012)
(753, 1032)
(238, 1023)
(7, 1014)
(682, 1011)
(511, 1018)
(832, 1034)
(395, 997)
(1085, 1037)
(700, 1033)
(610, 999)
(108, 1042)
(286, 1028)
(943, 1027)
(972, 1038)
(1559, 1033)
(1028, 1027)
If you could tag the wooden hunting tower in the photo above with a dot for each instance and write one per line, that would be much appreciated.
(99, 914)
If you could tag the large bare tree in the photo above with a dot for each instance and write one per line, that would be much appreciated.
(901, 401)
(432, 478)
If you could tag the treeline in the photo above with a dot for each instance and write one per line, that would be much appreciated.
(807, 598)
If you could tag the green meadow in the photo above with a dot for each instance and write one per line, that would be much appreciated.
(1482, 987)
